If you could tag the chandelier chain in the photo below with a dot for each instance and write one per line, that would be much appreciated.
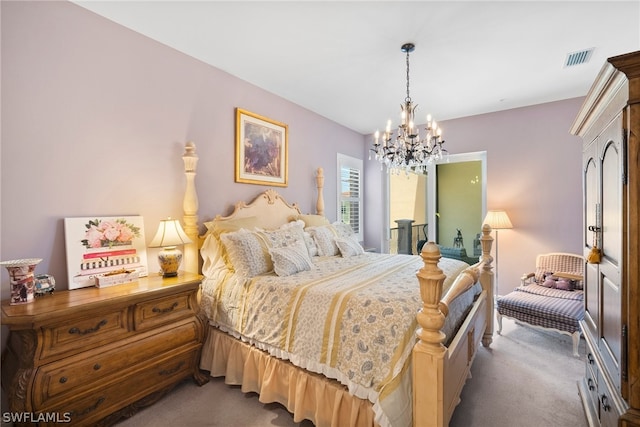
(408, 98)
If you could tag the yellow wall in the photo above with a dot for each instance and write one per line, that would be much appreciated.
(459, 203)
(408, 198)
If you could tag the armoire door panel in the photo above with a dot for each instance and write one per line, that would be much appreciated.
(592, 306)
(591, 223)
(611, 201)
(611, 327)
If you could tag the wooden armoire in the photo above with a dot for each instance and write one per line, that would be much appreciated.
(609, 125)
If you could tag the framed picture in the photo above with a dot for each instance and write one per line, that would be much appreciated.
(261, 150)
(99, 246)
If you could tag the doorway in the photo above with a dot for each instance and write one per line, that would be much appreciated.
(452, 196)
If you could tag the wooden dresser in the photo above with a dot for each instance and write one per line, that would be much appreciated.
(93, 356)
(609, 123)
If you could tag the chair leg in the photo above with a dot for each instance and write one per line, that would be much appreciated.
(499, 318)
(576, 342)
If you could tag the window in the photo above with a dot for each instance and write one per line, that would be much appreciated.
(350, 192)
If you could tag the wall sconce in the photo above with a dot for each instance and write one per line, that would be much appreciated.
(170, 235)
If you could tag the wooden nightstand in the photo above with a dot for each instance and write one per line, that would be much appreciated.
(93, 356)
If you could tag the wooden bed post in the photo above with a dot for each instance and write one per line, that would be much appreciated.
(320, 185)
(487, 279)
(190, 208)
(428, 354)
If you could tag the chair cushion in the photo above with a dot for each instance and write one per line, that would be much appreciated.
(546, 307)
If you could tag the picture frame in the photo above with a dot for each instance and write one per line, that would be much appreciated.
(103, 247)
(261, 150)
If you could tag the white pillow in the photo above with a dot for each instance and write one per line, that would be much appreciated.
(349, 246)
(285, 235)
(342, 229)
(291, 259)
(246, 254)
(311, 244)
(324, 236)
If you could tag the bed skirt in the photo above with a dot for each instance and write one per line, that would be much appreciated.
(303, 393)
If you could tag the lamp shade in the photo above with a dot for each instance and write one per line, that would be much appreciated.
(498, 220)
(170, 233)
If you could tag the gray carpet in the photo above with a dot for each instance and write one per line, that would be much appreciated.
(526, 379)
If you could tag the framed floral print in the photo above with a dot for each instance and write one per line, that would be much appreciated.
(104, 246)
(261, 150)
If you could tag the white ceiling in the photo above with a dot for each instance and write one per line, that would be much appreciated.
(342, 59)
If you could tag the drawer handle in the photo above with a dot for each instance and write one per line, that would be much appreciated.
(89, 409)
(172, 371)
(590, 383)
(165, 310)
(90, 330)
(590, 358)
(63, 380)
(605, 403)
(96, 367)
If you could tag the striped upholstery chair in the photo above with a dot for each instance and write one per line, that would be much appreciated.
(547, 307)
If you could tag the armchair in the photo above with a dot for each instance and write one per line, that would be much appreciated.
(549, 298)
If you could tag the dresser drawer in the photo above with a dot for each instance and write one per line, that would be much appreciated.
(591, 382)
(84, 333)
(88, 408)
(591, 374)
(81, 372)
(153, 313)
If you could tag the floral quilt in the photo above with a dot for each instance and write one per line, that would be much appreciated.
(352, 319)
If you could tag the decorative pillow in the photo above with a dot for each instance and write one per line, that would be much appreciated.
(313, 220)
(245, 253)
(291, 259)
(284, 236)
(324, 236)
(575, 284)
(565, 284)
(342, 229)
(311, 244)
(541, 274)
(349, 246)
(549, 283)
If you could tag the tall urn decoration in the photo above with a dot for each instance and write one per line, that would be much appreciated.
(22, 279)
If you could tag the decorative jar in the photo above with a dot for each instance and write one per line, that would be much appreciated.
(22, 279)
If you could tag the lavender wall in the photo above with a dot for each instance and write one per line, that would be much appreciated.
(533, 172)
(95, 118)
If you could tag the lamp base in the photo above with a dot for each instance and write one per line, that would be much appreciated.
(169, 259)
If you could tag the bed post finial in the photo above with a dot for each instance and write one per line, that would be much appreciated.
(320, 185)
(190, 208)
(429, 352)
(487, 280)
(431, 278)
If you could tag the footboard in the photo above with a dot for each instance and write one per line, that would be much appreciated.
(439, 372)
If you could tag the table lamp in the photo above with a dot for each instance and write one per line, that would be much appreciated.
(170, 234)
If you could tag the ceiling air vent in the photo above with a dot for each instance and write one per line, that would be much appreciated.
(577, 58)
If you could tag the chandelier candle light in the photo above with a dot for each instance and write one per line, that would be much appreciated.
(408, 151)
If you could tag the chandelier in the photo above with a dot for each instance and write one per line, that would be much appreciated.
(408, 151)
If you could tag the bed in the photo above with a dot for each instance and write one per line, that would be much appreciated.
(338, 336)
